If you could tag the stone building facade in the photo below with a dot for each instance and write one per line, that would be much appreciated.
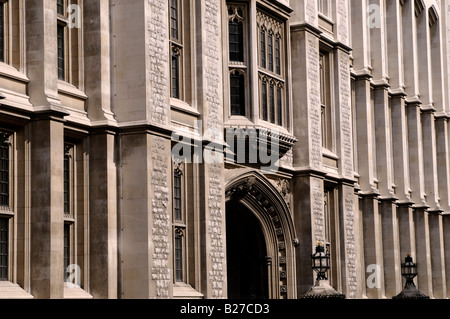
(348, 99)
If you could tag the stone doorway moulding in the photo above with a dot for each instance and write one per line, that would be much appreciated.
(253, 190)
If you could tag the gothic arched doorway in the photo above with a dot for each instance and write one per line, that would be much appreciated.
(246, 254)
(261, 238)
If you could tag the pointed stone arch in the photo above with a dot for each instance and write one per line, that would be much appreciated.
(253, 190)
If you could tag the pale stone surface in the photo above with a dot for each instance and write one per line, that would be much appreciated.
(389, 164)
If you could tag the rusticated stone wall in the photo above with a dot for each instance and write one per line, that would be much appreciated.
(158, 50)
(161, 267)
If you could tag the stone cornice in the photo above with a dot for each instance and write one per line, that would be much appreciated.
(304, 26)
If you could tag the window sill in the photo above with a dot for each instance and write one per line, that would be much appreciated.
(75, 293)
(8, 290)
(327, 153)
(184, 107)
(326, 18)
(69, 89)
(11, 72)
(185, 291)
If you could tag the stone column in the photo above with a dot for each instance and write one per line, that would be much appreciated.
(308, 205)
(443, 161)
(307, 111)
(46, 195)
(391, 247)
(415, 152)
(387, 204)
(400, 156)
(348, 222)
(446, 233)
(141, 82)
(365, 132)
(398, 236)
(210, 99)
(145, 210)
(103, 215)
(308, 184)
(430, 159)
(97, 57)
(437, 250)
(344, 148)
(41, 57)
(373, 241)
(406, 231)
(423, 251)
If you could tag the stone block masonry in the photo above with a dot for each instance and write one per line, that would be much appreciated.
(161, 219)
(158, 50)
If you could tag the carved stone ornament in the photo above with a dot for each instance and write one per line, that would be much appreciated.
(243, 188)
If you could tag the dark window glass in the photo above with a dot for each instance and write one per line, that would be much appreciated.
(177, 197)
(61, 53)
(263, 48)
(4, 235)
(270, 51)
(60, 7)
(264, 100)
(236, 39)
(277, 56)
(174, 19)
(66, 250)
(175, 74)
(66, 184)
(237, 93)
(4, 172)
(178, 256)
(279, 106)
(272, 102)
(2, 32)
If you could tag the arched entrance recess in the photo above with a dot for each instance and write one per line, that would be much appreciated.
(248, 191)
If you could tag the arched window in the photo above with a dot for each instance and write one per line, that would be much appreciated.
(236, 37)
(270, 31)
(237, 13)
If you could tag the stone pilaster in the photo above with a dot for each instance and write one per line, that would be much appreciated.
(437, 250)
(342, 22)
(305, 12)
(309, 221)
(46, 195)
(213, 229)
(406, 230)
(41, 54)
(383, 141)
(443, 161)
(423, 251)
(373, 241)
(307, 111)
(140, 77)
(97, 65)
(400, 156)
(430, 160)
(145, 210)
(391, 247)
(415, 152)
(349, 224)
(365, 132)
(446, 233)
(344, 136)
(210, 98)
(103, 215)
